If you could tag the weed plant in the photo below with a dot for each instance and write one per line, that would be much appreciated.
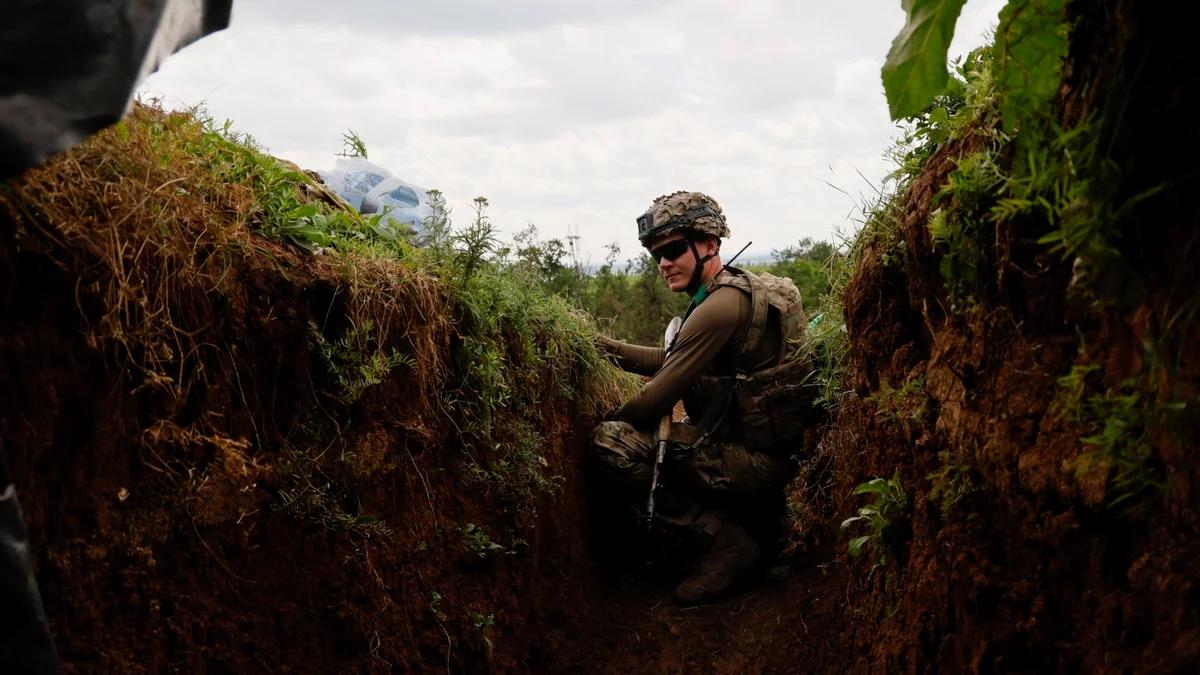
(904, 404)
(476, 542)
(310, 493)
(1118, 430)
(356, 360)
(1032, 174)
(952, 484)
(886, 518)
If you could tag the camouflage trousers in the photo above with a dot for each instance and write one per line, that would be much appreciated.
(698, 488)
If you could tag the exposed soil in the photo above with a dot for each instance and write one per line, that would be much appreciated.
(165, 543)
(1028, 569)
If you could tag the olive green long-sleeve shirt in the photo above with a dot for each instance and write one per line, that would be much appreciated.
(707, 344)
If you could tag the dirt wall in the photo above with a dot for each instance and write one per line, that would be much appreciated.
(204, 494)
(1014, 556)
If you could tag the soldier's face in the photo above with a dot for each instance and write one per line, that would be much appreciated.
(675, 259)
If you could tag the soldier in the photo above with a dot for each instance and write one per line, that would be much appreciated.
(729, 363)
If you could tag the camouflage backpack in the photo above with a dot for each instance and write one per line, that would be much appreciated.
(774, 406)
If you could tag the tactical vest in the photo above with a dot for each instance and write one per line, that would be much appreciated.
(767, 409)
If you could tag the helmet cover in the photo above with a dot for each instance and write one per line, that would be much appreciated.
(691, 211)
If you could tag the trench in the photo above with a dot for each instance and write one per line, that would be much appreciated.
(203, 494)
(210, 512)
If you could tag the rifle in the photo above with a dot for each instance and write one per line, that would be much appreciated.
(664, 426)
(663, 432)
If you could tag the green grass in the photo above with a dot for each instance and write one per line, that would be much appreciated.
(355, 359)
(951, 485)
(903, 404)
(516, 350)
(1115, 439)
(476, 542)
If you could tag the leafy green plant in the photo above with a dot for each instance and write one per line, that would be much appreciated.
(436, 227)
(960, 228)
(553, 263)
(950, 485)
(1087, 217)
(1117, 428)
(826, 344)
(476, 541)
(915, 69)
(885, 517)
(482, 625)
(1047, 176)
(966, 107)
(1028, 50)
(476, 241)
(310, 493)
(1030, 45)
(353, 145)
(1061, 177)
(1119, 446)
(1121, 442)
(1072, 392)
(306, 227)
(515, 469)
(355, 360)
(906, 403)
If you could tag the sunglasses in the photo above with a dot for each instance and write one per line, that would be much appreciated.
(670, 250)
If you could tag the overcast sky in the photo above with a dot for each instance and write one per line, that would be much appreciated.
(574, 115)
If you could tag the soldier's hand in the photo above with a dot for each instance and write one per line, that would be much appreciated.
(602, 342)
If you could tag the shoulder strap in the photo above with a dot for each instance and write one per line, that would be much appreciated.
(756, 322)
(751, 335)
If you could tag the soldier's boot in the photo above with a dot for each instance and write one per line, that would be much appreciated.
(731, 552)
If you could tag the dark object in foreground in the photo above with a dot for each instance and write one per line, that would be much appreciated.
(25, 643)
(68, 67)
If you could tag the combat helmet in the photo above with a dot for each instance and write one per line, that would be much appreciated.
(692, 211)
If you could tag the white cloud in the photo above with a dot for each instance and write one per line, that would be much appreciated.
(573, 113)
(858, 80)
(975, 24)
(447, 17)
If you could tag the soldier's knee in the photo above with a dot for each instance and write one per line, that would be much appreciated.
(616, 445)
(607, 435)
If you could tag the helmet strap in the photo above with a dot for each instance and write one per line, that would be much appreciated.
(694, 283)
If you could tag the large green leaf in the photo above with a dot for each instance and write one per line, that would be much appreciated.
(915, 70)
(1031, 42)
(878, 486)
(854, 548)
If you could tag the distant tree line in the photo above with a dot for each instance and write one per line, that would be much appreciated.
(629, 299)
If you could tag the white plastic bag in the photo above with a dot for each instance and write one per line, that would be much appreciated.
(370, 188)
